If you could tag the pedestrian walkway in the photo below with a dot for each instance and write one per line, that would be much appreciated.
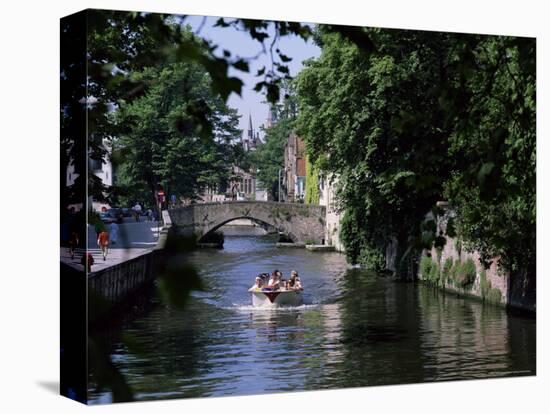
(134, 239)
(115, 256)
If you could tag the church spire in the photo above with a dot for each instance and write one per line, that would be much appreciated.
(250, 129)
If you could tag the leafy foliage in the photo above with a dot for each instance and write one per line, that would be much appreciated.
(161, 144)
(103, 49)
(426, 264)
(422, 116)
(465, 273)
(446, 271)
(489, 293)
(312, 183)
(430, 271)
(484, 284)
(494, 187)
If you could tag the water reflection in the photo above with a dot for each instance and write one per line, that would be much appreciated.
(356, 329)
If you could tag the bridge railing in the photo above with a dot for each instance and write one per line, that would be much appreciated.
(274, 203)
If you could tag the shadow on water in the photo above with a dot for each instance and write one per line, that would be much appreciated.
(175, 279)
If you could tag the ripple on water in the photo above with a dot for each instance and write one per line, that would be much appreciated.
(356, 329)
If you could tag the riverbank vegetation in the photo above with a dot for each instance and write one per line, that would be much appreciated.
(422, 117)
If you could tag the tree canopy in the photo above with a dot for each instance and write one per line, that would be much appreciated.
(108, 46)
(419, 118)
(158, 145)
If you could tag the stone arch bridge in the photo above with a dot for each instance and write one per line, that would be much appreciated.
(303, 223)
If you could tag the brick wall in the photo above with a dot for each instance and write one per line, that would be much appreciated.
(490, 284)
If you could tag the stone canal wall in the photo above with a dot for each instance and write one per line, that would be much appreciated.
(456, 270)
(116, 283)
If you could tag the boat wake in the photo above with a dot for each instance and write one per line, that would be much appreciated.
(249, 308)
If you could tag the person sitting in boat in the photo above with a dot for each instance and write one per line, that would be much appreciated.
(258, 283)
(282, 281)
(274, 280)
(294, 283)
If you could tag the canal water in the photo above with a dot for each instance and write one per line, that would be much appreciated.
(356, 329)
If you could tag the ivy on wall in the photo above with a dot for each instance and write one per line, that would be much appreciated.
(312, 183)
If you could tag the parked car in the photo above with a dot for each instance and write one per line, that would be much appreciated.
(116, 214)
(106, 218)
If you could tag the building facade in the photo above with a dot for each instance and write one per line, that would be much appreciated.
(294, 179)
(327, 198)
(242, 183)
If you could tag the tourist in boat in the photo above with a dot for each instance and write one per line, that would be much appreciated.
(258, 283)
(274, 280)
(294, 282)
(282, 280)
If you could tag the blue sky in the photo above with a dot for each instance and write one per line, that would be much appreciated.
(240, 44)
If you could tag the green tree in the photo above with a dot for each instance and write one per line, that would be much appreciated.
(103, 48)
(112, 45)
(420, 116)
(160, 144)
(493, 187)
(373, 119)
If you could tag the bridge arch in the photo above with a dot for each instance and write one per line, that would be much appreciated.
(301, 222)
(259, 221)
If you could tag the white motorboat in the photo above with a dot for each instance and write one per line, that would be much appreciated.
(267, 297)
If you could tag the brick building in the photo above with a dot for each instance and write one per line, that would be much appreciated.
(294, 180)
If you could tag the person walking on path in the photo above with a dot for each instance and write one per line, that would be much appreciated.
(73, 242)
(103, 243)
(137, 211)
(113, 233)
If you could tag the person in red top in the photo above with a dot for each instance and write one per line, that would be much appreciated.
(103, 243)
